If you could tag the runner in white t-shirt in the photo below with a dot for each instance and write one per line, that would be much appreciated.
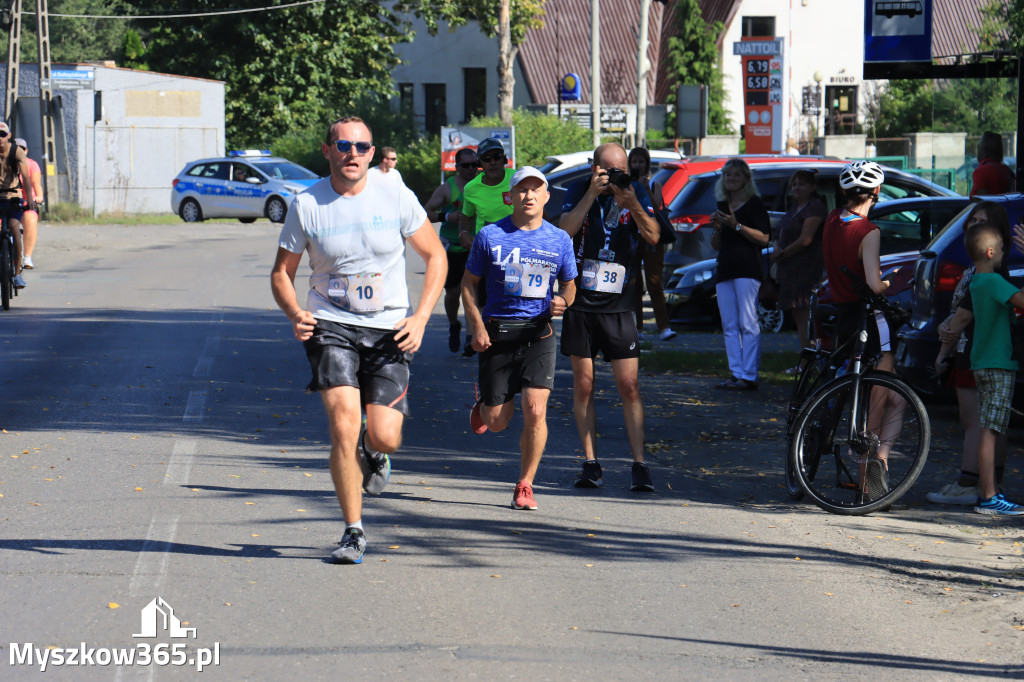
(386, 169)
(358, 335)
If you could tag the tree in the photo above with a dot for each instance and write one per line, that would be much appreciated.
(77, 39)
(286, 69)
(693, 60)
(903, 106)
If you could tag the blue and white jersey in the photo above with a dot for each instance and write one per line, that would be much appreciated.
(520, 267)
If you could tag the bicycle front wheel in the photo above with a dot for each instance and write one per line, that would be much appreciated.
(815, 373)
(6, 273)
(857, 462)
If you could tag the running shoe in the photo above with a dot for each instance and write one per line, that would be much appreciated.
(27, 263)
(667, 334)
(877, 479)
(476, 422)
(732, 383)
(350, 547)
(590, 477)
(19, 282)
(376, 467)
(998, 505)
(454, 336)
(954, 493)
(467, 350)
(522, 498)
(641, 479)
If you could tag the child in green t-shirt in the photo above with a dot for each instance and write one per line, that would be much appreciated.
(992, 361)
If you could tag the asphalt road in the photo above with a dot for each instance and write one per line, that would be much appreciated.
(157, 442)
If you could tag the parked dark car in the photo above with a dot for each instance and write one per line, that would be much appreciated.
(939, 268)
(690, 211)
(906, 226)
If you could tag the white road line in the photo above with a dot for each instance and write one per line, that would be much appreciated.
(152, 563)
(205, 363)
(195, 406)
(182, 455)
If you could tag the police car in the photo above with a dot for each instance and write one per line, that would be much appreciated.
(247, 185)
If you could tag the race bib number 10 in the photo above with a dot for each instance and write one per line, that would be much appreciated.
(605, 277)
(356, 293)
(528, 280)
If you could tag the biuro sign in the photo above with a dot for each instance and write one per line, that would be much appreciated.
(761, 59)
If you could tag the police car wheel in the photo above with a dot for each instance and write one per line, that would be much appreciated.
(190, 211)
(770, 321)
(276, 210)
(247, 220)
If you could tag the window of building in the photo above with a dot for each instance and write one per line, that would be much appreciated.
(840, 109)
(474, 83)
(435, 107)
(405, 98)
(758, 27)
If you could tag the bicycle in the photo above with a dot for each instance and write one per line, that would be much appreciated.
(7, 267)
(859, 439)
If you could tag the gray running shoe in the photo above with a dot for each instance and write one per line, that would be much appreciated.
(376, 467)
(590, 477)
(350, 547)
(19, 282)
(641, 479)
(877, 479)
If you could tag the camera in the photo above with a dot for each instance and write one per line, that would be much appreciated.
(619, 178)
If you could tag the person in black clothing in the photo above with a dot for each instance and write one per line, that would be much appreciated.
(608, 218)
(742, 228)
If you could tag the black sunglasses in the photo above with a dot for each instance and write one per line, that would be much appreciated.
(490, 158)
(3, 134)
(345, 146)
(469, 165)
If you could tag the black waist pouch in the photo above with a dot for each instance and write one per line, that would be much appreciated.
(518, 331)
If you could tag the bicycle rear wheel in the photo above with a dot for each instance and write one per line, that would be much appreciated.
(822, 456)
(6, 272)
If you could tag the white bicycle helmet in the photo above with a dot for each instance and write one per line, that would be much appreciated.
(866, 174)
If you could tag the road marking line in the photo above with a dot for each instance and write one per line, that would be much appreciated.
(195, 406)
(152, 563)
(205, 363)
(182, 455)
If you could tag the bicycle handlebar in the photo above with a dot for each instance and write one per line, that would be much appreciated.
(896, 315)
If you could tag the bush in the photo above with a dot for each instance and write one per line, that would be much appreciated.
(540, 135)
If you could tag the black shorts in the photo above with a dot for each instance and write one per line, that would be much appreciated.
(848, 320)
(364, 357)
(456, 268)
(508, 367)
(585, 334)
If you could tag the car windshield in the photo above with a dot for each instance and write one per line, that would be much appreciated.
(285, 170)
(697, 197)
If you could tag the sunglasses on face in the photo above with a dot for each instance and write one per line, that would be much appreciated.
(3, 134)
(345, 146)
(491, 158)
(469, 165)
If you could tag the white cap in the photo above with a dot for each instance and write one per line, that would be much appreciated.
(527, 172)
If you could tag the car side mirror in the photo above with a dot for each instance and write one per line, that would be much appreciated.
(252, 180)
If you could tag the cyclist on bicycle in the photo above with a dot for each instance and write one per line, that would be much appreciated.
(851, 241)
(13, 166)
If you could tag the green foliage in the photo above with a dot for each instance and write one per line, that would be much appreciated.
(133, 51)
(289, 69)
(420, 164)
(76, 40)
(903, 106)
(523, 15)
(1002, 26)
(539, 136)
(974, 106)
(693, 60)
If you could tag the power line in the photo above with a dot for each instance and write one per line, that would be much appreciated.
(179, 16)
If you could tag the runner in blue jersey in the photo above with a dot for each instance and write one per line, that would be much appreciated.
(520, 258)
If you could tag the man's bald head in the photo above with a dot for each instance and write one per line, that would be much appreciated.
(611, 155)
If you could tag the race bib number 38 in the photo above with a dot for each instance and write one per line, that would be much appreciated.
(528, 280)
(605, 277)
(356, 293)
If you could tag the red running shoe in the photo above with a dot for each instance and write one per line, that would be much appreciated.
(523, 497)
(476, 422)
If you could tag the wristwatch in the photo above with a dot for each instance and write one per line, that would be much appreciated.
(738, 226)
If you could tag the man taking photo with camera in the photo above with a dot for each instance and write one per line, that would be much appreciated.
(607, 218)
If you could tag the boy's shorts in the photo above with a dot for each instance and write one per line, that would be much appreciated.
(995, 392)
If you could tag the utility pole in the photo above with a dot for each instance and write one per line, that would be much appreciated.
(595, 70)
(642, 67)
(45, 90)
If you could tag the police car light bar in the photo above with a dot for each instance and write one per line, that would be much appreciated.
(249, 152)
